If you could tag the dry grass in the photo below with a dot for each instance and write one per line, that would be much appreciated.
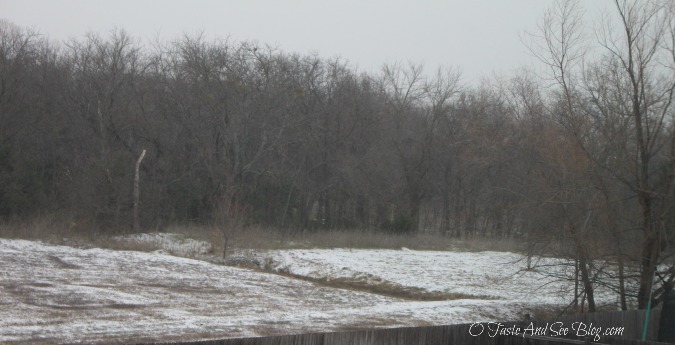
(64, 230)
(256, 237)
(390, 289)
(52, 228)
(266, 238)
(35, 228)
(138, 246)
(369, 239)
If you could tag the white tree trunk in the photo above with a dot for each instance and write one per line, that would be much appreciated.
(137, 191)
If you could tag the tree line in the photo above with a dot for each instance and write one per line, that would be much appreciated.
(578, 161)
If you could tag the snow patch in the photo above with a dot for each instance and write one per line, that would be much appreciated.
(174, 244)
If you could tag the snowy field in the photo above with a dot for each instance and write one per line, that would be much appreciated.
(479, 275)
(59, 294)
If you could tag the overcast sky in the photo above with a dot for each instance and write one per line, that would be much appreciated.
(479, 36)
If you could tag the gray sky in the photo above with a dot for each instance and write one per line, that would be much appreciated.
(479, 36)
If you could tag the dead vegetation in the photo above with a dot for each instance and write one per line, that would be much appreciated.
(266, 238)
(387, 288)
(64, 230)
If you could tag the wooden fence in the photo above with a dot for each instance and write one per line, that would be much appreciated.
(530, 333)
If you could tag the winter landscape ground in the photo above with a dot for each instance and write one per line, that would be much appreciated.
(62, 294)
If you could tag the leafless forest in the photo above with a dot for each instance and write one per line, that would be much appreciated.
(576, 161)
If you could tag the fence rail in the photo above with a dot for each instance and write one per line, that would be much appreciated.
(530, 333)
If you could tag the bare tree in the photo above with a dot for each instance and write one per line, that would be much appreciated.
(640, 85)
(560, 45)
(104, 73)
(415, 106)
(617, 111)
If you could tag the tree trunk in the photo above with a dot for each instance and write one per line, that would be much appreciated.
(622, 284)
(649, 252)
(225, 244)
(137, 191)
(576, 285)
(588, 284)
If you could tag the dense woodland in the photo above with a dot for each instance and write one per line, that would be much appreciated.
(578, 160)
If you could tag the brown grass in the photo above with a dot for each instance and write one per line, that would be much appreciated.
(268, 238)
(52, 228)
(65, 230)
(385, 288)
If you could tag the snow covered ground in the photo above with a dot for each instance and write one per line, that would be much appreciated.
(497, 275)
(59, 294)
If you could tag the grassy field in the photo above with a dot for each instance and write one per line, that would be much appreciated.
(63, 231)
